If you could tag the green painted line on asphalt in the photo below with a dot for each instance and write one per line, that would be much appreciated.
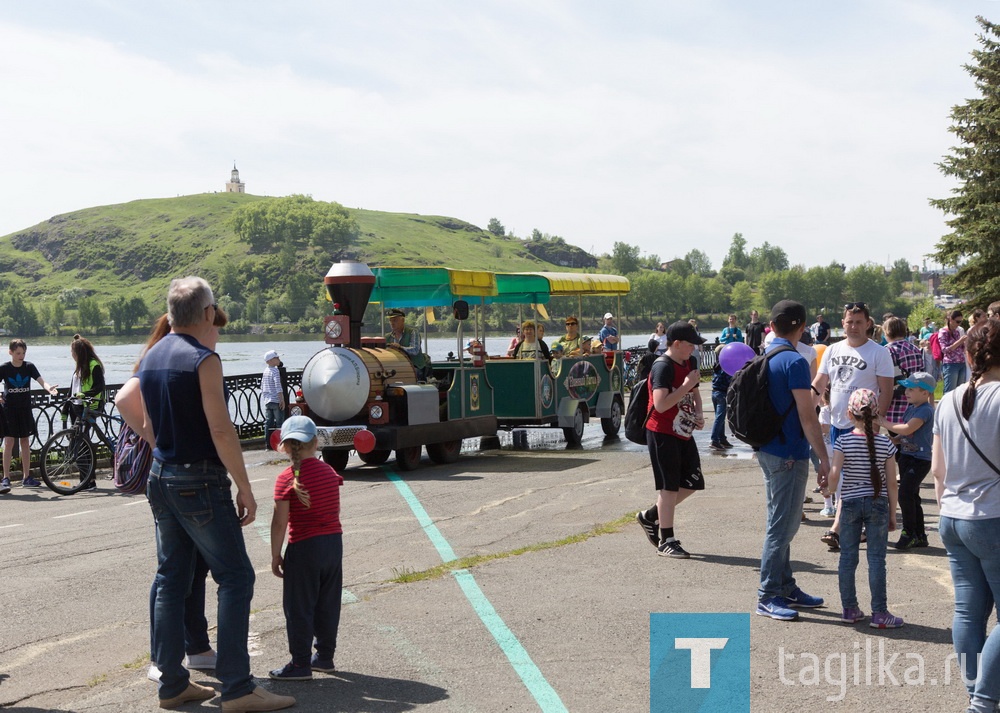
(543, 693)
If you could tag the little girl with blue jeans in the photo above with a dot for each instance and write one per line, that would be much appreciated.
(865, 469)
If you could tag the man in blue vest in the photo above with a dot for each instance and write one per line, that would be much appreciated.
(183, 410)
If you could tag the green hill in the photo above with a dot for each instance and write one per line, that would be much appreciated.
(135, 249)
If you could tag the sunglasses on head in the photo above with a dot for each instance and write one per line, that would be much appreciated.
(855, 307)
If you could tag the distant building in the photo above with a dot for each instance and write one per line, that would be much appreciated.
(234, 185)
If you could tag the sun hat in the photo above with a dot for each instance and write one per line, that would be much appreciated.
(862, 399)
(298, 428)
(269, 355)
(920, 380)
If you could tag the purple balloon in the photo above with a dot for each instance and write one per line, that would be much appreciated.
(734, 356)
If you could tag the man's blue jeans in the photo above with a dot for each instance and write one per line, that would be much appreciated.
(974, 554)
(194, 510)
(274, 416)
(719, 427)
(785, 488)
(873, 513)
(953, 376)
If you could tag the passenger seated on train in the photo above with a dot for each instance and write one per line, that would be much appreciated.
(530, 347)
(573, 342)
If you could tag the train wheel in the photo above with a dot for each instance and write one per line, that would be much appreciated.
(574, 434)
(613, 424)
(375, 457)
(408, 458)
(444, 453)
(336, 459)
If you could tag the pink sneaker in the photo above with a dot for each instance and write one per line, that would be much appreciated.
(885, 620)
(852, 615)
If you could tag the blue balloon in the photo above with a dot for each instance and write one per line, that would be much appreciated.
(734, 356)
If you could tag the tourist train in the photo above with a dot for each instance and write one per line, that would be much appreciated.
(373, 398)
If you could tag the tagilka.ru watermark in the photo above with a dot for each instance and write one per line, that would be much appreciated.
(864, 666)
(699, 662)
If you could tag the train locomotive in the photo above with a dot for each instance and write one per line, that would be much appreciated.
(372, 398)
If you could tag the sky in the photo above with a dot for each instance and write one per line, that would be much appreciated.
(813, 126)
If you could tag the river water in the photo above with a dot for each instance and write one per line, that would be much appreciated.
(241, 354)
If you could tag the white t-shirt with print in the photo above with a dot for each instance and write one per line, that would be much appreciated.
(851, 368)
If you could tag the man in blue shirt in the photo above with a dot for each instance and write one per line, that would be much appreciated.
(785, 464)
(608, 336)
(731, 333)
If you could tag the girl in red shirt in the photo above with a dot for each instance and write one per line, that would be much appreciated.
(307, 506)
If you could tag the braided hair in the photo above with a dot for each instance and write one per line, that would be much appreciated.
(875, 473)
(983, 347)
(295, 449)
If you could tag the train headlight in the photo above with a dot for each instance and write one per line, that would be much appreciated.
(375, 412)
(295, 411)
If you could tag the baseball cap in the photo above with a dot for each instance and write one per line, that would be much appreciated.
(862, 399)
(608, 315)
(298, 428)
(788, 314)
(920, 380)
(269, 355)
(684, 332)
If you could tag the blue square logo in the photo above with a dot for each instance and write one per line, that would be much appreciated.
(699, 662)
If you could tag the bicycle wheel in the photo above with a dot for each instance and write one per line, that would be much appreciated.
(67, 462)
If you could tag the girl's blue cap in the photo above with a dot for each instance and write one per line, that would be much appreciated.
(298, 428)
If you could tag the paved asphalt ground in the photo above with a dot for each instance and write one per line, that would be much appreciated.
(573, 619)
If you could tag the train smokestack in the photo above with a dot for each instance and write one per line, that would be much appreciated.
(349, 284)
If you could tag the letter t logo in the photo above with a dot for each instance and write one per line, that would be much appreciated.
(701, 658)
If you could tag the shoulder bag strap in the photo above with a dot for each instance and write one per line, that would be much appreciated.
(961, 423)
(649, 385)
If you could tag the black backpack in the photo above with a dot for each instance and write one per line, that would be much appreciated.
(749, 411)
(639, 407)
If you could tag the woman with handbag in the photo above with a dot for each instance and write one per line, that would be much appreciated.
(965, 462)
(199, 652)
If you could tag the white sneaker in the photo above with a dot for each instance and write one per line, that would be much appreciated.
(828, 512)
(201, 662)
(154, 673)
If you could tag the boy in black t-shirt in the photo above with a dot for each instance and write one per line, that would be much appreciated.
(675, 414)
(19, 422)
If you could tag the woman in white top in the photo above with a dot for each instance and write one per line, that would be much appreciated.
(965, 462)
(660, 335)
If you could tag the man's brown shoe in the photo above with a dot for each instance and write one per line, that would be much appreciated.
(260, 699)
(194, 692)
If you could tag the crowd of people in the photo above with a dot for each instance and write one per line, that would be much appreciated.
(861, 411)
(877, 402)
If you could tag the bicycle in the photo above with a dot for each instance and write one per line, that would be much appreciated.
(69, 459)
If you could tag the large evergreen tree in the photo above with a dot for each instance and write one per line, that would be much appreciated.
(974, 208)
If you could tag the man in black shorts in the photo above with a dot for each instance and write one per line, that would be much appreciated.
(676, 414)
